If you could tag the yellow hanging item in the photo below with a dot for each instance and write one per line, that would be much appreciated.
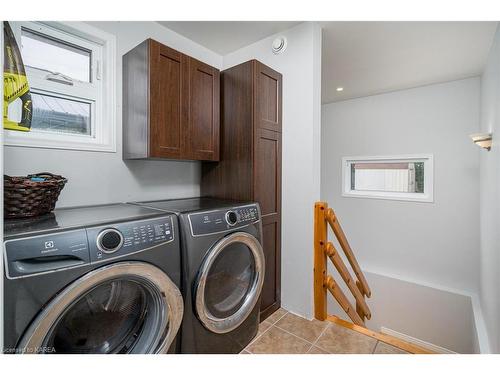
(15, 83)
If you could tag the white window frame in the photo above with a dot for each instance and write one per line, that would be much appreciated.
(426, 196)
(101, 91)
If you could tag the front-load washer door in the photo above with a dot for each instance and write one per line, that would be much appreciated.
(127, 307)
(229, 282)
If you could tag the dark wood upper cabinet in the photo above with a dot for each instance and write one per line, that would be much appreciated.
(171, 105)
(202, 137)
(250, 163)
(166, 106)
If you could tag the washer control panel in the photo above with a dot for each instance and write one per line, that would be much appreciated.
(45, 253)
(125, 238)
(203, 223)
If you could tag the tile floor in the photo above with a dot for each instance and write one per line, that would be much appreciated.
(287, 333)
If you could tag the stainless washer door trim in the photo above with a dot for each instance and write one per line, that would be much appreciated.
(171, 316)
(224, 325)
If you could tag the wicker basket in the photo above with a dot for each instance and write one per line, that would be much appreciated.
(31, 196)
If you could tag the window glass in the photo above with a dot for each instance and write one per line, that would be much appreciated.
(405, 177)
(58, 115)
(54, 56)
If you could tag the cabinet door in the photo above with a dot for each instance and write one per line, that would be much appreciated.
(267, 191)
(166, 101)
(267, 97)
(202, 133)
(271, 292)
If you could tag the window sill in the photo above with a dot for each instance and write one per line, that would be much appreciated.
(408, 197)
(56, 141)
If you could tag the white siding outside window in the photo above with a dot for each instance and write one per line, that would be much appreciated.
(71, 72)
(389, 177)
(382, 179)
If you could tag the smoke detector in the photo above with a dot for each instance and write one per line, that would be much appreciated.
(279, 45)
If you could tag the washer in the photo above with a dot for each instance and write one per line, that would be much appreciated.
(101, 279)
(223, 272)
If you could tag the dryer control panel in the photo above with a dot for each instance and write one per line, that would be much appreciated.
(209, 222)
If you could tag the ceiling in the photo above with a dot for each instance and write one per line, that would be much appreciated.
(224, 37)
(367, 58)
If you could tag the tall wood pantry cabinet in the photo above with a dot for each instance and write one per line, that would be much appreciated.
(250, 164)
(171, 105)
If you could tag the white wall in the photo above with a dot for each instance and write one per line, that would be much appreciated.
(300, 65)
(435, 243)
(97, 177)
(490, 197)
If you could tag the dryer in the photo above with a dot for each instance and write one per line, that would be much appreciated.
(101, 279)
(223, 272)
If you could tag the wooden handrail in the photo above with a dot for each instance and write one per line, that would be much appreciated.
(323, 282)
(359, 309)
(339, 233)
(343, 301)
(331, 252)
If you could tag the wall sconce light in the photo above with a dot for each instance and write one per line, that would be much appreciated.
(482, 140)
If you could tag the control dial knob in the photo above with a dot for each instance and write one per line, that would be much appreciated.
(231, 218)
(109, 240)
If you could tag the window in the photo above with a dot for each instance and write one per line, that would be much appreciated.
(71, 73)
(408, 178)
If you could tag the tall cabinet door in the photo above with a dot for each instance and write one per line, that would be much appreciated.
(166, 108)
(267, 177)
(267, 97)
(202, 139)
(267, 191)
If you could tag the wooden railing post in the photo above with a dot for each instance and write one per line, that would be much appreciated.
(320, 240)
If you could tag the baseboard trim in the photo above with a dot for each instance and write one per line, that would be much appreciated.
(414, 340)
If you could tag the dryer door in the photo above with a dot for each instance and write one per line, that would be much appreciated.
(229, 283)
(128, 307)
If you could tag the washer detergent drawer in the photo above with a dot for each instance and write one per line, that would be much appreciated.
(46, 253)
